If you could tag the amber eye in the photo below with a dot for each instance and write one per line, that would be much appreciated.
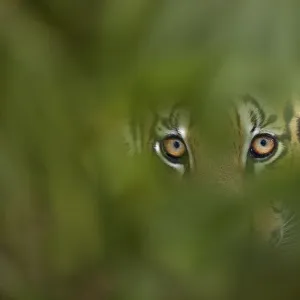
(174, 147)
(263, 145)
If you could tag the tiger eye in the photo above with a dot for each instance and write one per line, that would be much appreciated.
(263, 145)
(174, 147)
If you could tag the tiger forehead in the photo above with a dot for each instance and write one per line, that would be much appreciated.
(173, 121)
(256, 114)
(246, 113)
(262, 113)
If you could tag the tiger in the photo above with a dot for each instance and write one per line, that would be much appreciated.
(262, 135)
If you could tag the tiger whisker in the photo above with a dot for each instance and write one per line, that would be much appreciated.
(289, 220)
(289, 229)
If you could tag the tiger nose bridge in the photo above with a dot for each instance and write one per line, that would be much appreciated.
(230, 174)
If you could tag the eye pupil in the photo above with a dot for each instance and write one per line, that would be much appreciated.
(263, 142)
(176, 144)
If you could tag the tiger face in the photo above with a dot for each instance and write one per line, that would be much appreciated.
(260, 141)
(264, 138)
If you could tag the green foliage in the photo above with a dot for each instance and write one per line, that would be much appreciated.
(81, 220)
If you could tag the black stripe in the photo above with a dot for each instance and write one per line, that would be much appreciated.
(298, 129)
(249, 99)
(288, 115)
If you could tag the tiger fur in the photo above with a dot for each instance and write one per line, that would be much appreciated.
(255, 125)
